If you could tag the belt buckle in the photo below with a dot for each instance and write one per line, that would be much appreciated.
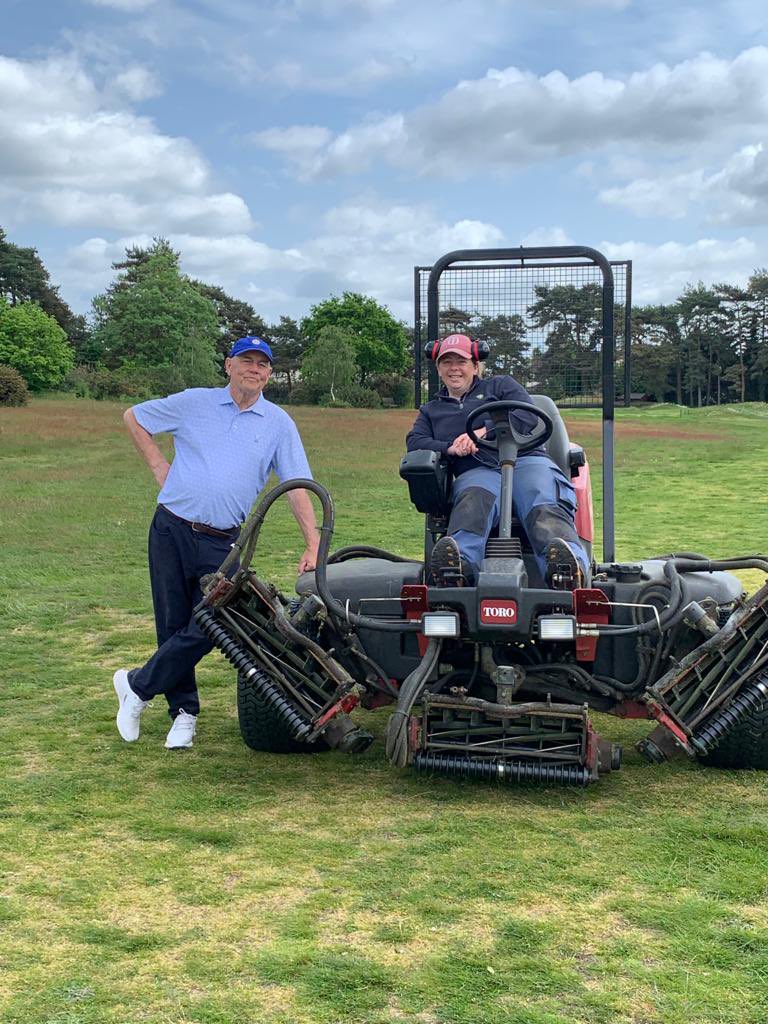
(195, 527)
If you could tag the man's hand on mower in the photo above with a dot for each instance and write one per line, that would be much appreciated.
(308, 560)
(464, 445)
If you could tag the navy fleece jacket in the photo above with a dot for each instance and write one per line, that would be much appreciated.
(443, 419)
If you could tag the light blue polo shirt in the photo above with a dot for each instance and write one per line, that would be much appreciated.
(223, 456)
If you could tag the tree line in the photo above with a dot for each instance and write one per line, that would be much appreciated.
(707, 347)
(156, 330)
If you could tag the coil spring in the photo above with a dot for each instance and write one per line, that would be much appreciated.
(742, 704)
(267, 691)
(502, 771)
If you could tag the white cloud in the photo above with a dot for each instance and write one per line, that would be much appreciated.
(661, 272)
(544, 236)
(55, 131)
(736, 194)
(136, 84)
(513, 117)
(234, 256)
(372, 247)
(119, 212)
(124, 5)
(229, 261)
(296, 143)
(341, 47)
(364, 246)
(302, 75)
(70, 157)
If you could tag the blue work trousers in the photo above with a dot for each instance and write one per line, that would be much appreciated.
(543, 499)
(178, 557)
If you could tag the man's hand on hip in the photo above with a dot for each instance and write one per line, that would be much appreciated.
(160, 472)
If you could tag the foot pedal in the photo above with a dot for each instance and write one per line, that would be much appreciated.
(503, 547)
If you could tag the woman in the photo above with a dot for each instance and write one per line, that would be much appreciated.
(544, 499)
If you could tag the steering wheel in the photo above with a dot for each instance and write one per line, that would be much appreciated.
(498, 412)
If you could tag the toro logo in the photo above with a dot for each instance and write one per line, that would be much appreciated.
(498, 613)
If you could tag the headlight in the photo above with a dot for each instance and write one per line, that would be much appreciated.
(440, 624)
(557, 627)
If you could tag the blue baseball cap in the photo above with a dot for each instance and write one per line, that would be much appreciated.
(251, 344)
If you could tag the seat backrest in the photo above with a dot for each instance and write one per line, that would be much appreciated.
(558, 445)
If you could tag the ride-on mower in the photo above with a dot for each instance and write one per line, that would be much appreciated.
(496, 680)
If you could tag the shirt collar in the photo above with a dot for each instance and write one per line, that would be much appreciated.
(259, 406)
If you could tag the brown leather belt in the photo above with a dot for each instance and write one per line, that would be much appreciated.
(203, 527)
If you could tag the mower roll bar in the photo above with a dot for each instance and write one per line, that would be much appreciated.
(566, 252)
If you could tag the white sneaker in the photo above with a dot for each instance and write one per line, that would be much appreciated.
(130, 709)
(182, 731)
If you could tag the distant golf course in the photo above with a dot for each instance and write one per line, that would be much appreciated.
(221, 886)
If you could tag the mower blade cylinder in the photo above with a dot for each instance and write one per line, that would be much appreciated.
(750, 699)
(503, 771)
(239, 657)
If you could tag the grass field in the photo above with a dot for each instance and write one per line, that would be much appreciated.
(220, 886)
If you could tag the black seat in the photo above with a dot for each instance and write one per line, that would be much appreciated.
(558, 445)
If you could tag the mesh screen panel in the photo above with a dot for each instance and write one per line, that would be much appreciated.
(541, 320)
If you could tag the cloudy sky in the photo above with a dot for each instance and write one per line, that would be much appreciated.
(292, 149)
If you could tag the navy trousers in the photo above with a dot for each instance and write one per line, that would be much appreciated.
(178, 557)
(543, 500)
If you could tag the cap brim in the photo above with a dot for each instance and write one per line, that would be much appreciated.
(245, 351)
(454, 352)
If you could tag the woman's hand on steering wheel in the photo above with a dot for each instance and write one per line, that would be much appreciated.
(464, 445)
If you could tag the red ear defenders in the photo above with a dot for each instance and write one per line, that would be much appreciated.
(480, 350)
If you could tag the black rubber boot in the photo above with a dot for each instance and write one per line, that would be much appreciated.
(563, 569)
(445, 568)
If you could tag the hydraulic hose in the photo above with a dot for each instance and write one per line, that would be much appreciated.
(396, 742)
(245, 545)
(673, 614)
(665, 619)
(364, 551)
(577, 676)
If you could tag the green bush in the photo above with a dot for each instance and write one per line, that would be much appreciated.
(34, 344)
(129, 381)
(92, 382)
(303, 394)
(277, 392)
(13, 387)
(165, 380)
(358, 397)
(392, 389)
(326, 402)
(402, 392)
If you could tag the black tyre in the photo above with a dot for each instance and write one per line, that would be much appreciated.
(745, 745)
(260, 727)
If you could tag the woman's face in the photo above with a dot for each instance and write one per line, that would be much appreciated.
(457, 373)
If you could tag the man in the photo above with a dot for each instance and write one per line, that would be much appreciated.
(544, 500)
(226, 442)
